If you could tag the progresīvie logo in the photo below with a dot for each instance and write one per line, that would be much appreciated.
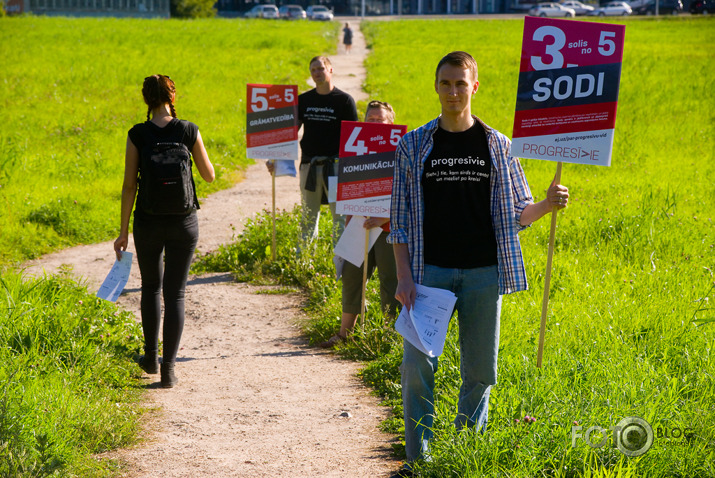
(633, 436)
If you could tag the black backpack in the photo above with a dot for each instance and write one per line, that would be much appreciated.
(166, 185)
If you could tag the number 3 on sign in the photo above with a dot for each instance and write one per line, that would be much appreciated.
(553, 49)
(606, 47)
(355, 145)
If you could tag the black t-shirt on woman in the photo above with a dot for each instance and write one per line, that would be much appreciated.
(146, 135)
(458, 231)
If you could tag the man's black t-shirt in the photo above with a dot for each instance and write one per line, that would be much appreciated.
(458, 231)
(321, 116)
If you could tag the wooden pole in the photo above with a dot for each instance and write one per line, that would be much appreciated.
(547, 278)
(273, 241)
(364, 276)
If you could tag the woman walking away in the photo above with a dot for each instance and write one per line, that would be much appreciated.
(347, 37)
(158, 163)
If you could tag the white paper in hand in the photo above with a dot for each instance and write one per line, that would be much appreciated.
(351, 245)
(117, 278)
(425, 325)
(284, 167)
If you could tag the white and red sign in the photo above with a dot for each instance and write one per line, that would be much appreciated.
(568, 91)
(272, 122)
(366, 166)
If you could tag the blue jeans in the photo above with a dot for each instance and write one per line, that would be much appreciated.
(478, 307)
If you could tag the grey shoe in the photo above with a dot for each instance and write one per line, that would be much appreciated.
(168, 378)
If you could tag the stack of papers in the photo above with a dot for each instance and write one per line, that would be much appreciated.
(425, 325)
(117, 278)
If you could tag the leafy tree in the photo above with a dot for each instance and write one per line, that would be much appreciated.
(193, 8)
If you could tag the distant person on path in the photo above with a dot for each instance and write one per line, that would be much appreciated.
(458, 234)
(347, 37)
(380, 256)
(320, 112)
(165, 225)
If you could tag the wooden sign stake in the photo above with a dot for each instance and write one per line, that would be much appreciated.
(273, 241)
(547, 279)
(364, 276)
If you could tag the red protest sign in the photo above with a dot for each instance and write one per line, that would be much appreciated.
(365, 168)
(361, 139)
(272, 122)
(568, 90)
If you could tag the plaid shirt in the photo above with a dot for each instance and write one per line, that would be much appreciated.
(510, 194)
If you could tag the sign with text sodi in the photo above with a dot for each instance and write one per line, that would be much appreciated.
(568, 91)
(272, 122)
(366, 166)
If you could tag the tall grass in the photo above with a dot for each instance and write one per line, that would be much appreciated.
(68, 388)
(632, 278)
(71, 89)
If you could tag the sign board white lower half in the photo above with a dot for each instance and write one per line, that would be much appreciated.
(588, 147)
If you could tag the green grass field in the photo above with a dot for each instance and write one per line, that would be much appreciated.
(633, 266)
(628, 332)
(632, 277)
(72, 89)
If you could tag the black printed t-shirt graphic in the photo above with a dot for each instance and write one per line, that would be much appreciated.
(458, 231)
(321, 116)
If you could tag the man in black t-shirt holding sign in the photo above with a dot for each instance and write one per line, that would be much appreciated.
(459, 198)
(320, 112)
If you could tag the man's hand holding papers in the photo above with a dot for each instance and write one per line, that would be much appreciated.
(425, 324)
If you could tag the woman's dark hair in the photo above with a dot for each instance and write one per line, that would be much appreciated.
(158, 90)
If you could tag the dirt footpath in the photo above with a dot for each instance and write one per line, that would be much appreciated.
(253, 399)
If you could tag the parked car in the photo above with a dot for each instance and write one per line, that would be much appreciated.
(578, 7)
(291, 12)
(319, 12)
(262, 11)
(701, 6)
(551, 10)
(637, 4)
(665, 7)
(612, 9)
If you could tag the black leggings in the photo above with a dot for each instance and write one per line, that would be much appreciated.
(175, 238)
